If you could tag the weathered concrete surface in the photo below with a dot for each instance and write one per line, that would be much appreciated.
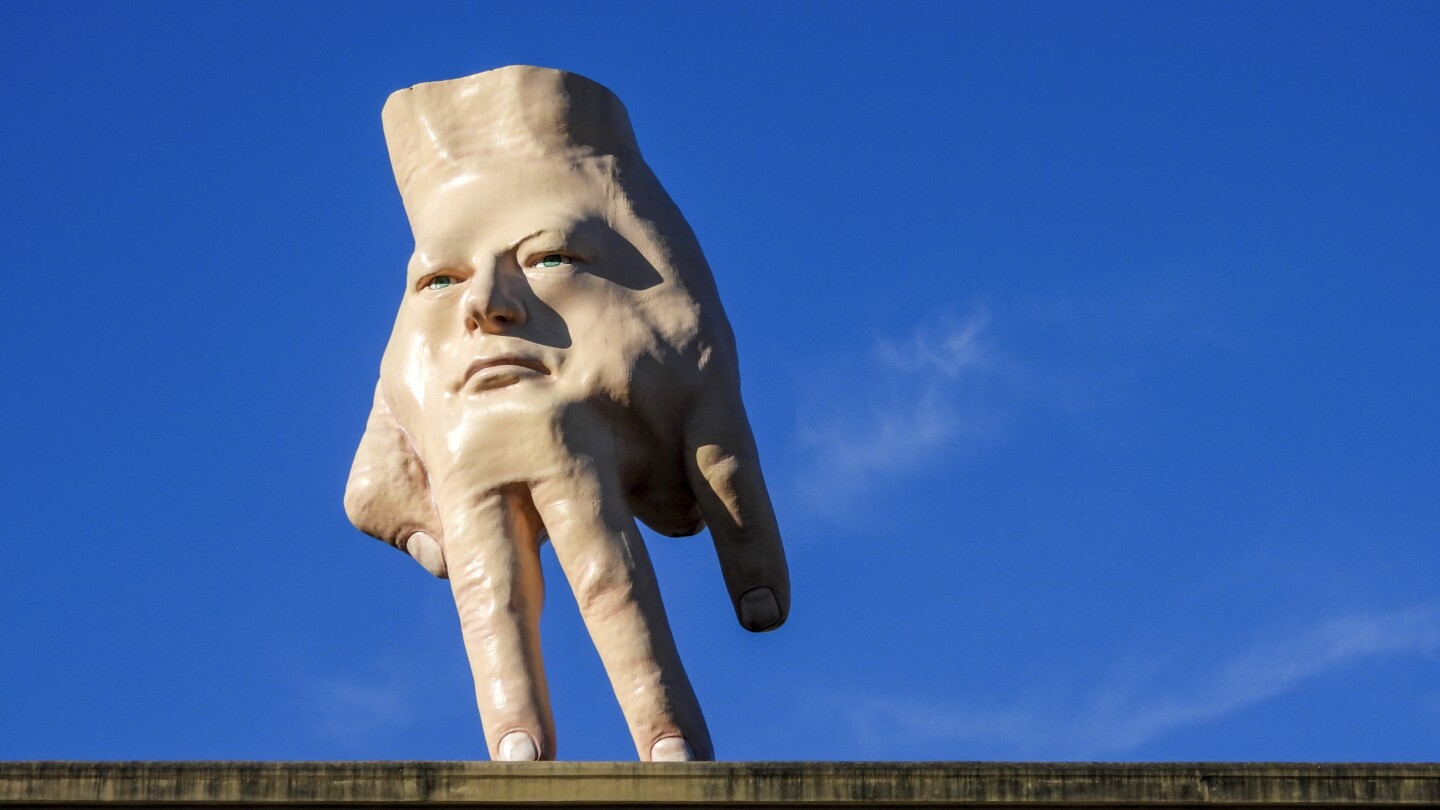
(720, 784)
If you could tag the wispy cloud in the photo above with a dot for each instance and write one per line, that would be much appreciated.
(917, 400)
(958, 382)
(1129, 710)
(949, 347)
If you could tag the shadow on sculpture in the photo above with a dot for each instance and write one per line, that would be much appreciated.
(560, 366)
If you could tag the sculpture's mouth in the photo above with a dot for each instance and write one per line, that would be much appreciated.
(498, 372)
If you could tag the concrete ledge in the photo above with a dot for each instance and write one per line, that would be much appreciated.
(716, 784)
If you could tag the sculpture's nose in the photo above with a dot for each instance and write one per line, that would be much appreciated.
(493, 304)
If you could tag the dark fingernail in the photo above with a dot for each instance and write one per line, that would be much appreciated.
(759, 610)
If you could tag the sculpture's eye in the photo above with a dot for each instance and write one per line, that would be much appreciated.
(548, 264)
(440, 282)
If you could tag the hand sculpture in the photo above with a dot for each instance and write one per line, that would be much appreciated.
(560, 366)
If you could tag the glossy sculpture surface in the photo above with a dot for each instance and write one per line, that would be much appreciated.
(560, 366)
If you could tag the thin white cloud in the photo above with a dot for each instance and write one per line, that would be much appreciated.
(908, 406)
(949, 347)
(1129, 711)
(958, 382)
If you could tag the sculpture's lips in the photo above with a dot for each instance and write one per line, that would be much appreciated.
(498, 372)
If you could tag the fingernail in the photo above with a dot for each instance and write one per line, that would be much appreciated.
(671, 749)
(426, 551)
(759, 610)
(517, 746)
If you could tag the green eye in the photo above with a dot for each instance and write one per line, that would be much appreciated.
(440, 282)
(554, 260)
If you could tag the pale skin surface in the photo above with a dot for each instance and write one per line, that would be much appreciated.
(560, 365)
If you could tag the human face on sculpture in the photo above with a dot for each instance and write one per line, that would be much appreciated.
(523, 298)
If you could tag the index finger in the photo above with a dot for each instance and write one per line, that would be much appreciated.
(492, 542)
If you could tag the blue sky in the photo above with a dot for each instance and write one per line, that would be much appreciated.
(1092, 352)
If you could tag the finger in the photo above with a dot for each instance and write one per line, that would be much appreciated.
(492, 545)
(603, 557)
(724, 470)
(387, 496)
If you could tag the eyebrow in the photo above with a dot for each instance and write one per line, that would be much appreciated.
(563, 232)
(422, 262)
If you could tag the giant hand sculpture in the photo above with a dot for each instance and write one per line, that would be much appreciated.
(560, 366)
